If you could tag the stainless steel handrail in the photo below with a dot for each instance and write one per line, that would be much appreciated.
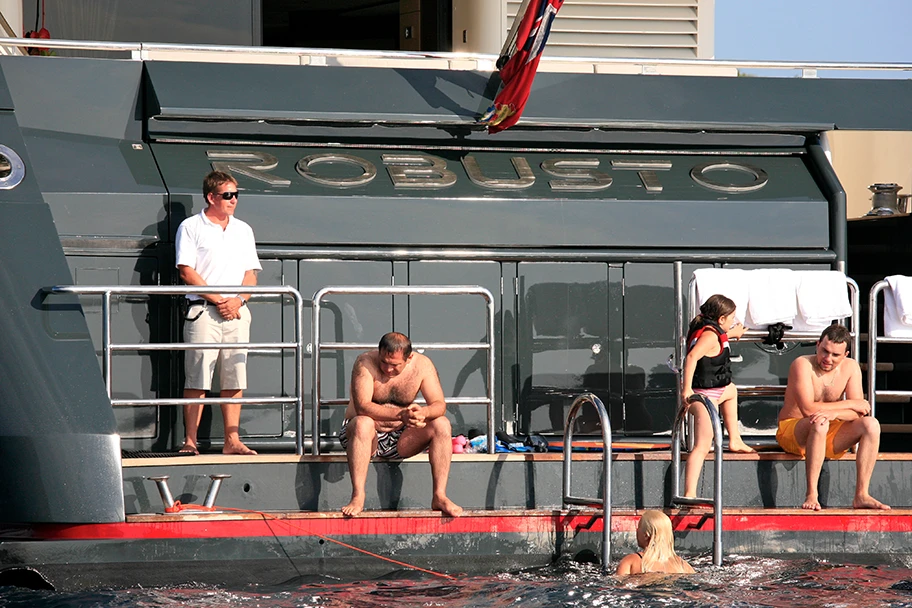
(442, 290)
(771, 390)
(425, 345)
(464, 60)
(716, 500)
(514, 254)
(84, 45)
(873, 340)
(109, 347)
(605, 501)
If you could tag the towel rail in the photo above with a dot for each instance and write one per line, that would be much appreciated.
(761, 390)
(874, 338)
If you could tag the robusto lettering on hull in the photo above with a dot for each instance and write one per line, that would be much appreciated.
(421, 171)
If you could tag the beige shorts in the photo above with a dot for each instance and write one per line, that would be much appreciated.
(204, 324)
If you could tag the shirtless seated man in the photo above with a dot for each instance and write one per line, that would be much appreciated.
(383, 419)
(825, 414)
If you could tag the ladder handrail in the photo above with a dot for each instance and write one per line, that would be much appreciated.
(605, 501)
(443, 290)
(109, 347)
(716, 500)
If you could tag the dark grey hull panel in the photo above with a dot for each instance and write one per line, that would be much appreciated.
(238, 550)
(265, 561)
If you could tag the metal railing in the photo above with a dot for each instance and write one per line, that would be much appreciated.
(873, 340)
(109, 347)
(605, 501)
(441, 290)
(716, 500)
(757, 336)
(743, 390)
(455, 61)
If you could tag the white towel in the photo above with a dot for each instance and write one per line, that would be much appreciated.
(902, 295)
(822, 297)
(730, 282)
(897, 313)
(773, 297)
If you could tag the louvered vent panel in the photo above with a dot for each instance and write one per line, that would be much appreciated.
(656, 29)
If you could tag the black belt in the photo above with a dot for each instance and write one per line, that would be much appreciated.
(206, 302)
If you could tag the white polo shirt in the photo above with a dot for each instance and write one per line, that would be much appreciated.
(221, 257)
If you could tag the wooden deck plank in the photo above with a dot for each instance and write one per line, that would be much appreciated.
(223, 459)
(501, 513)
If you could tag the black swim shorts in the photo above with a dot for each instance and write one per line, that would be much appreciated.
(387, 443)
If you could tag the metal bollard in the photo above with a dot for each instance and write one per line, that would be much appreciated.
(214, 486)
(162, 482)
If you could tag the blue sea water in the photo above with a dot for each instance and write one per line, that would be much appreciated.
(741, 582)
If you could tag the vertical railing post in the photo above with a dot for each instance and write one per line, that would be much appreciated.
(490, 319)
(855, 318)
(315, 384)
(679, 329)
(299, 373)
(107, 355)
(872, 343)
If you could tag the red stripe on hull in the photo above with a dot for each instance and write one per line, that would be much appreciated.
(420, 525)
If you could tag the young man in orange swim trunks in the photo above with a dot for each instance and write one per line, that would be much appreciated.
(825, 414)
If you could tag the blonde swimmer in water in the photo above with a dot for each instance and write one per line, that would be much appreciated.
(655, 538)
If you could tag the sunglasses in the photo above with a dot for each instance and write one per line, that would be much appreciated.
(227, 196)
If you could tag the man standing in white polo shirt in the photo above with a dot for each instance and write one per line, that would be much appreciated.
(216, 248)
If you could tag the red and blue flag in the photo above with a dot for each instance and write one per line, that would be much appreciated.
(519, 71)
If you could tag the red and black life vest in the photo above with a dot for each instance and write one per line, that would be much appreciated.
(711, 372)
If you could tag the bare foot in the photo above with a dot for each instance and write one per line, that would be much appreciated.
(237, 447)
(741, 448)
(188, 448)
(354, 507)
(447, 506)
(811, 504)
(867, 502)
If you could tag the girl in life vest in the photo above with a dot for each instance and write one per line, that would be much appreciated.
(707, 370)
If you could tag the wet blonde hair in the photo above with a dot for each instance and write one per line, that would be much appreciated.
(657, 527)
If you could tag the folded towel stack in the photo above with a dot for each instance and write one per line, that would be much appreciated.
(808, 300)
(823, 297)
(773, 297)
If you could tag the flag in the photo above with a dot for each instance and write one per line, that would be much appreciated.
(519, 71)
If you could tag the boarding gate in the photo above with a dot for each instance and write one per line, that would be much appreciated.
(442, 290)
(109, 346)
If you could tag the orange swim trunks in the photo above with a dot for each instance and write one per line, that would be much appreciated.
(785, 435)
